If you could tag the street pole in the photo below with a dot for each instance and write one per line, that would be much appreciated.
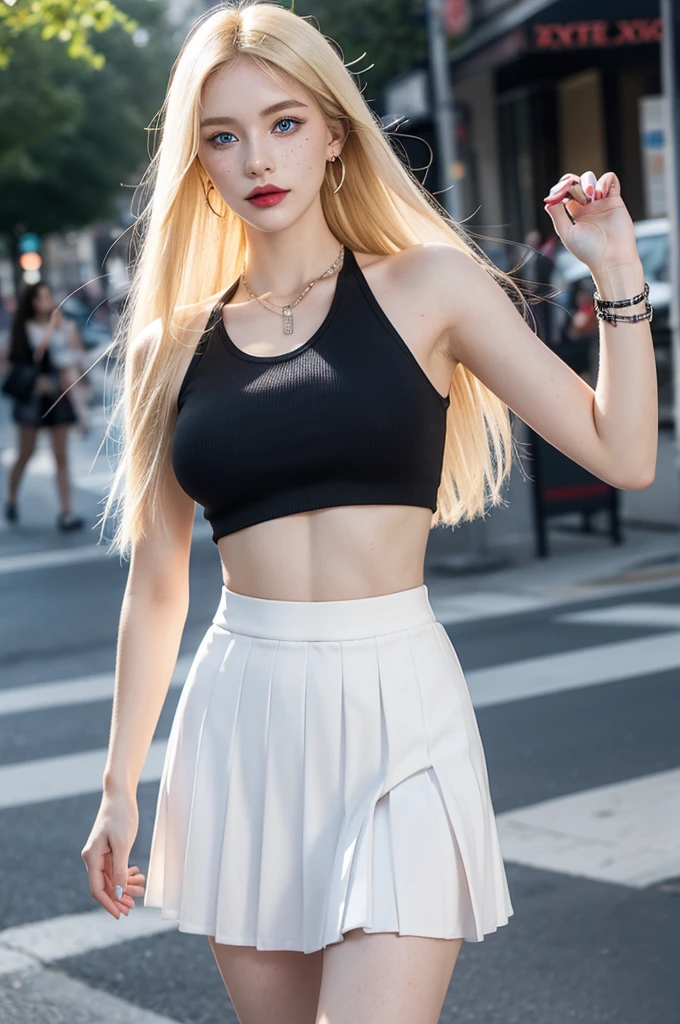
(670, 54)
(477, 556)
(443, 107)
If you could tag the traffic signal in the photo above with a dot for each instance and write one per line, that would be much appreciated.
(30, 259)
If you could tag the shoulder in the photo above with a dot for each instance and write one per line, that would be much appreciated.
(428, 269)
(436, 277)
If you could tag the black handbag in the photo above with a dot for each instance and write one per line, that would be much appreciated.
(20, 381)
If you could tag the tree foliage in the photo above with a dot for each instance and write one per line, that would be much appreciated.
(71, 22)
(391, 32)
(72, 134)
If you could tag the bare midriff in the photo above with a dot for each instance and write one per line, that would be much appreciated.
(331, 554)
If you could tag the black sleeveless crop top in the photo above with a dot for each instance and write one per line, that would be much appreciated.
(347, 418)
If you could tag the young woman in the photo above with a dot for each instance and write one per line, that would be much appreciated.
(56, 333)
(39, 334)
(324, 815)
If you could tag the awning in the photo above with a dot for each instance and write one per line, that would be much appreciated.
(539, 26)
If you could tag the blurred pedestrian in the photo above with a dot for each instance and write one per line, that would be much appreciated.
(581, 333)
(39, 337)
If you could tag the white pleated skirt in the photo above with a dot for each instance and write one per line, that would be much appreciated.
(324, 772)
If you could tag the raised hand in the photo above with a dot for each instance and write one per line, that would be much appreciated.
(592, 219)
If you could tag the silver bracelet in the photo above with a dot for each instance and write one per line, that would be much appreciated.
(602, 308)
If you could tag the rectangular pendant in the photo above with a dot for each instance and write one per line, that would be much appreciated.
(287, 320)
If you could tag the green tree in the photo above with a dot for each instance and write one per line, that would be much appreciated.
(71, 22)
(391, 32)
(72, 134)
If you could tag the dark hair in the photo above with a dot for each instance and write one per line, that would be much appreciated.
(19, 347)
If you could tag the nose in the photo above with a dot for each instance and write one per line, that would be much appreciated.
(258, 159)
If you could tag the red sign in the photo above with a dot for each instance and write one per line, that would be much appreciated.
(579, 35)
(456, 17)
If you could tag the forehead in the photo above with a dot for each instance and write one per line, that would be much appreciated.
(245, 87)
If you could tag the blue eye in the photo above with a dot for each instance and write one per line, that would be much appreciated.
(217, 135)
(290, 120)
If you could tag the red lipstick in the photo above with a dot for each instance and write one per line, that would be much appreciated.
(267, 195)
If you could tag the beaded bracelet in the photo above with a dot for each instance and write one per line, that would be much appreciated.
(602, 307)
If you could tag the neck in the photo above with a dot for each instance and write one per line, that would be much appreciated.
(281, 264)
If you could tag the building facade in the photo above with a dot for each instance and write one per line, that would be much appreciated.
(546, 86)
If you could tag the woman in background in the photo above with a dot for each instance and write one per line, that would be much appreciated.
(39, 334)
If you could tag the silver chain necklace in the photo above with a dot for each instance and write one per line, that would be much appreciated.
(287, 311)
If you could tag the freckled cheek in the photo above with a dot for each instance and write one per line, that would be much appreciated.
(306, 158)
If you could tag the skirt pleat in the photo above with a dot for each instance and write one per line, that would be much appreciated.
(312, 786)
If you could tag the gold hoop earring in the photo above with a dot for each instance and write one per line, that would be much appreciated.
(332, 160)
(211, 187)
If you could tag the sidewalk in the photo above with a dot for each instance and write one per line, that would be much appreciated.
(579, 564)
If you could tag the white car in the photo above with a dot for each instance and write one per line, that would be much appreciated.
(653, 247)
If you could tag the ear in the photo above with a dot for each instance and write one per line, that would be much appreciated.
(336, 135)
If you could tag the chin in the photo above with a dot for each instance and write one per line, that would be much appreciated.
(270, 219)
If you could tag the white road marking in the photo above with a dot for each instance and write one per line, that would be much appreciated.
(68, 692)
(72, 775)
(33, 560)
(510, 681)
(42, 942)
(627, 833)
(44, 993)
(49, 559)
(57, 778)
(96, 483)
(587, 666)
(654, 615)
(482, 604)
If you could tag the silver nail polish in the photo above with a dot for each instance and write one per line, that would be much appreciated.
(119, 891)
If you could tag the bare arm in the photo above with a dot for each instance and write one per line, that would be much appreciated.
(152, 619)
(610, 430)
(153, 615)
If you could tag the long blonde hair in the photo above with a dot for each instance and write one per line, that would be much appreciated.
(184, 257)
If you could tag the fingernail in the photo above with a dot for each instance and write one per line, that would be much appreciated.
(118, 890)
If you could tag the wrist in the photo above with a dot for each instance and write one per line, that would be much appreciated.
(117, 786)
(619, 281)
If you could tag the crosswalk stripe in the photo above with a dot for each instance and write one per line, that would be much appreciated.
(484, 604)
(72, 775)
(57, 778)
(49, 559)
(509, 681)
(627, 833)
(47, 994)
(74, 934)
(655, 615)
(65, 693)
(32, 560)
(587, 666)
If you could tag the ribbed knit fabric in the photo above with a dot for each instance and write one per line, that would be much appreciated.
(347, 418)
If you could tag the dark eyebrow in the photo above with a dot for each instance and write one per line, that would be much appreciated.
(283, 105)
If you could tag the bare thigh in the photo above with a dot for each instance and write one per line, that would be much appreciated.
(385, 978)
(270, 985)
